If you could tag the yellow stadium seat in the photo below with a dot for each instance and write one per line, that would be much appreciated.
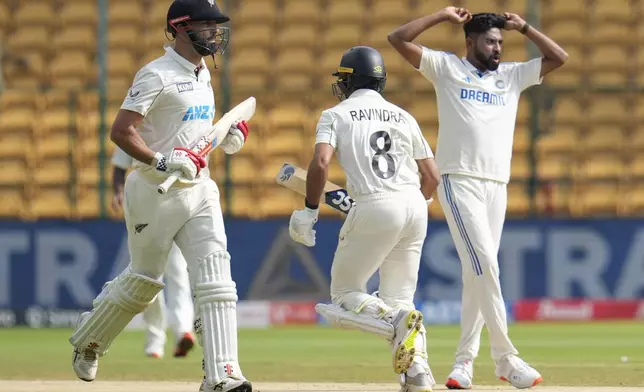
(88, 172)
(387, 11)
(520, 169)
(55, 121)
(518, 201)
(554, 167)
(395, 63)
(563, 10)
(597, 199)
(610, 33)
(56, 145)
(13, 203)
(292, 116)
(341, 37)
(127, 38)
(566, 32)
(256, 12)
(244, 203)
(250, 60)
(17, 99)
(634, 200)
(58, 99)
(125, 13)
(436, 210)
(636, 167)
(279, 201)
(293, 68)
(79, 13)
(425, 111)
(377, 37)
(617, 11)
(610, 57)
(249, 82)
(607, 109)
(18, 120)
(253, 36)
(34, 38)
(35, 14)
(26, 78)
(52, 202)
(300, 12)
(567, 110)
(4, 16)
(475, 6)
(345, 11)
(88, 204)
(283, 141)
(522, 140)
(14, 172)
(15, 145)
(81, 38)
(70, 70)
(442, 37)
(605, 138)
(244, 169)
(516, 6)
(336, 174)
(52, 172)
(564, 77)
(156, 15)
(562, 139)
(601, 167)
(120, 64)
(295, 36)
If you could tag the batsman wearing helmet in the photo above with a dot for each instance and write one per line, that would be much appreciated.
(391, 175)
(170, 107)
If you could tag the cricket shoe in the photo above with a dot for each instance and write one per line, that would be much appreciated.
(407, 324)
(461, 375)
(418, 378)
(184, 345)
(84, 360)
(518, 373)
(228, 384)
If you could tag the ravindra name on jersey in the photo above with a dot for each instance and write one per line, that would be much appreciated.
(376, 143)
(477, 112)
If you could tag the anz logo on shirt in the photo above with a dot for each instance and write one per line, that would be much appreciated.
(469, 94)
(204, 112)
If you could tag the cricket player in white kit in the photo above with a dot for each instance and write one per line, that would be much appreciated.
(180, 310)
(391, 175)
(169, 108)
(477, 99)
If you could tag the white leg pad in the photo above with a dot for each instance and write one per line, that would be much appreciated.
(126, 296)
(216, 324)
(366, 317)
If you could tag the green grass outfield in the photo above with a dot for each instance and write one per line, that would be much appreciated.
(565, 354)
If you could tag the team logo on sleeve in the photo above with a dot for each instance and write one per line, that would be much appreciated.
(183, 87)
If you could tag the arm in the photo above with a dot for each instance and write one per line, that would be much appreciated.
(429, 176)
(553, 55)
(401, 38)
(120, 163)
(317, 174)
(125, 136)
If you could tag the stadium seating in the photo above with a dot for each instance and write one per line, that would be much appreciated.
(283, 52)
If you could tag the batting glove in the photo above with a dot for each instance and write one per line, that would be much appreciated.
(236, 137)
(300, 226)
(182, 159)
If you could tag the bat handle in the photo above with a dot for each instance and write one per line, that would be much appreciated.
(163, 188)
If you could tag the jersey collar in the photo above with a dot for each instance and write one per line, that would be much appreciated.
(365, 92)
(475, 71)
(190, 67)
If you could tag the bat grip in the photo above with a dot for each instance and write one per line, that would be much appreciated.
(165, 185)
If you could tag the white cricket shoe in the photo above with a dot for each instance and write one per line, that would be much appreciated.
(461, 375)
(518, 373)
(84, 360)
(407, 324)
(229, 384)
(418, 378)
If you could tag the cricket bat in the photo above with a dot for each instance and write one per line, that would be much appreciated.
(294, 178)
(244, 111)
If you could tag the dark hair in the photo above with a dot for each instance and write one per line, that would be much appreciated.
(483, 22)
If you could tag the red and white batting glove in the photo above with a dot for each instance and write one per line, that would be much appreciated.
(183, 159)
(234, 141)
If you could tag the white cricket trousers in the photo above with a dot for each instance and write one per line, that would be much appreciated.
(189, 216)
(384, 233)
(475, 212)
(177, 301)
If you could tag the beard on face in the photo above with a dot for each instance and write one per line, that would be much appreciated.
(487, 61)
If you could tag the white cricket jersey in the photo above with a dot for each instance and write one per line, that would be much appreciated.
(177, 102)
(376, 142)
(476, 112)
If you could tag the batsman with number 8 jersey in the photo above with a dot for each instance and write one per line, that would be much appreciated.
(391, 175)
(169, 108)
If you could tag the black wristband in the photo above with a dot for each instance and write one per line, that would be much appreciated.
(524, 29)
(309, 205)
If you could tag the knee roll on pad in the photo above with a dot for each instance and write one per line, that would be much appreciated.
(371, 316)
(216, 326)
(127, 296)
